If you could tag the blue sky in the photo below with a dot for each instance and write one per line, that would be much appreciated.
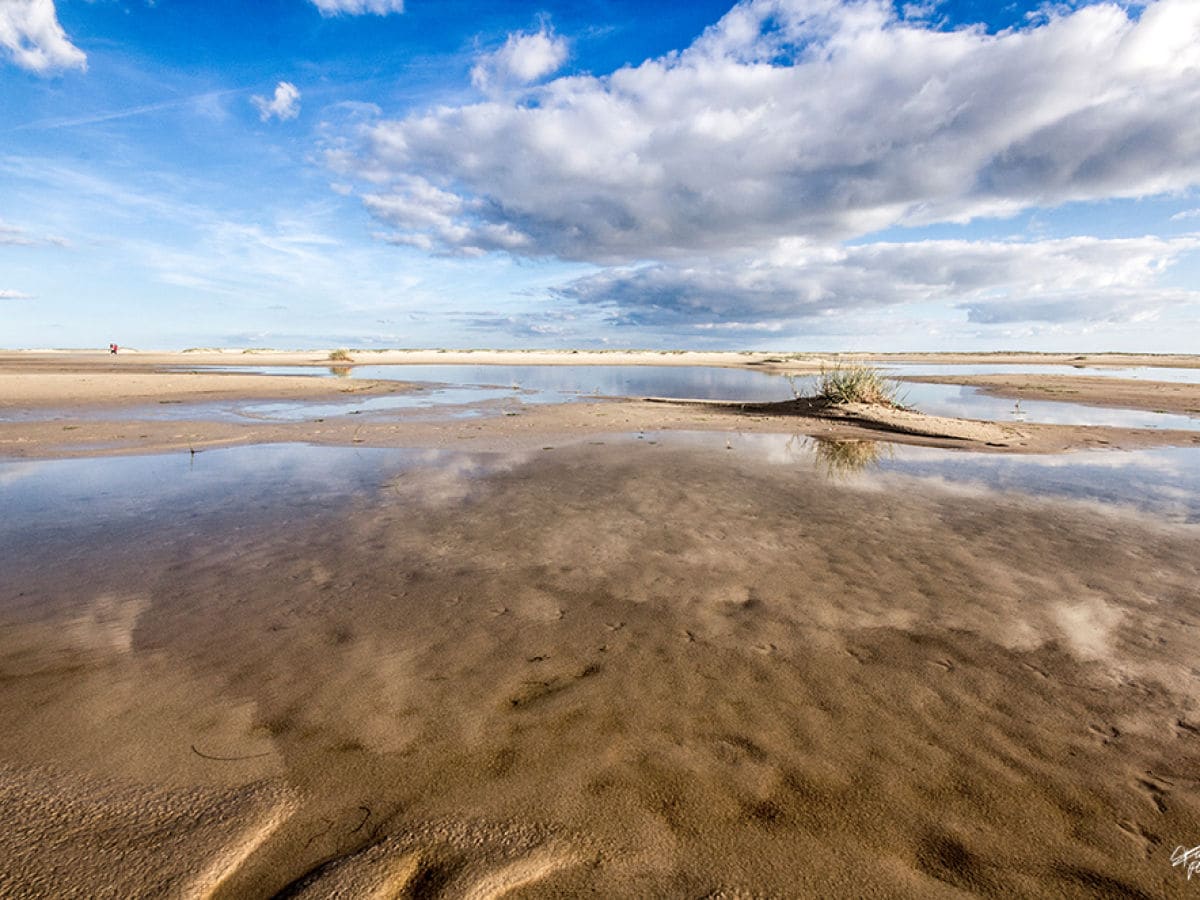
(785, 174)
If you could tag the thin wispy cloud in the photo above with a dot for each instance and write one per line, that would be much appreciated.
(33, 38)
(358, 7)
(7, 294)
(77, 121)
(12, 236)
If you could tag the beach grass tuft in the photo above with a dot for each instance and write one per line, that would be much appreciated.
(340, 356)
(856, 384)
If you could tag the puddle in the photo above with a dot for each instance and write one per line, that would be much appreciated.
(1164, 482)
(44, 497)
(41, 498)
(452, 401)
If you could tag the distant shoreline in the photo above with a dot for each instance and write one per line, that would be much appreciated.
(783, 360)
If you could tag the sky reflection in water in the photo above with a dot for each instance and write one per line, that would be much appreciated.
(515, 385)
(179, 490)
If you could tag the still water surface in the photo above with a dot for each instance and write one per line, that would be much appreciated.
(182, 491)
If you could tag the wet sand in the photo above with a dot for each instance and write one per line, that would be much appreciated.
(535, 426)
(628, 668)
(541, 655)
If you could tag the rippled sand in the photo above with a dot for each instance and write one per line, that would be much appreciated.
(622, 668)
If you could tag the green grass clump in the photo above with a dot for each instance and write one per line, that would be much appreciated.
(340, 356)
(856, 384)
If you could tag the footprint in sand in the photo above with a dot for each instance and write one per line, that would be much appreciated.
(1106, 734)
(386, 872)
(1155, 789)
(1186, 729)
(1147, 840)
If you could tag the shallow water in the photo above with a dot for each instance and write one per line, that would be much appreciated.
(557, 384)
(609, 379)
(1136, 373)
(261, 480)
(560, 383)
(669, 665)
(466, 391)
(1163, 483)
(962, 401)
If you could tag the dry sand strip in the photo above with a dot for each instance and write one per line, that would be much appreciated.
(102, 388)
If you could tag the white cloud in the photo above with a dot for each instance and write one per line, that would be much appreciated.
(1186, 214)
(11, 235)
(30, 31)
(1079, 279)
(800, 118)
(524, 59)
(358, 7)
(284, 105)
(14, 295)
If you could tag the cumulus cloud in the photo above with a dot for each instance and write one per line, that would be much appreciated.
(815, 119)
(285, 104)
(524, 59)
(358, 7)
(30, 32)
(1079, 279)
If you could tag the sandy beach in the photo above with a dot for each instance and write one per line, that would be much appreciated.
(132, 386)
(619, 647)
